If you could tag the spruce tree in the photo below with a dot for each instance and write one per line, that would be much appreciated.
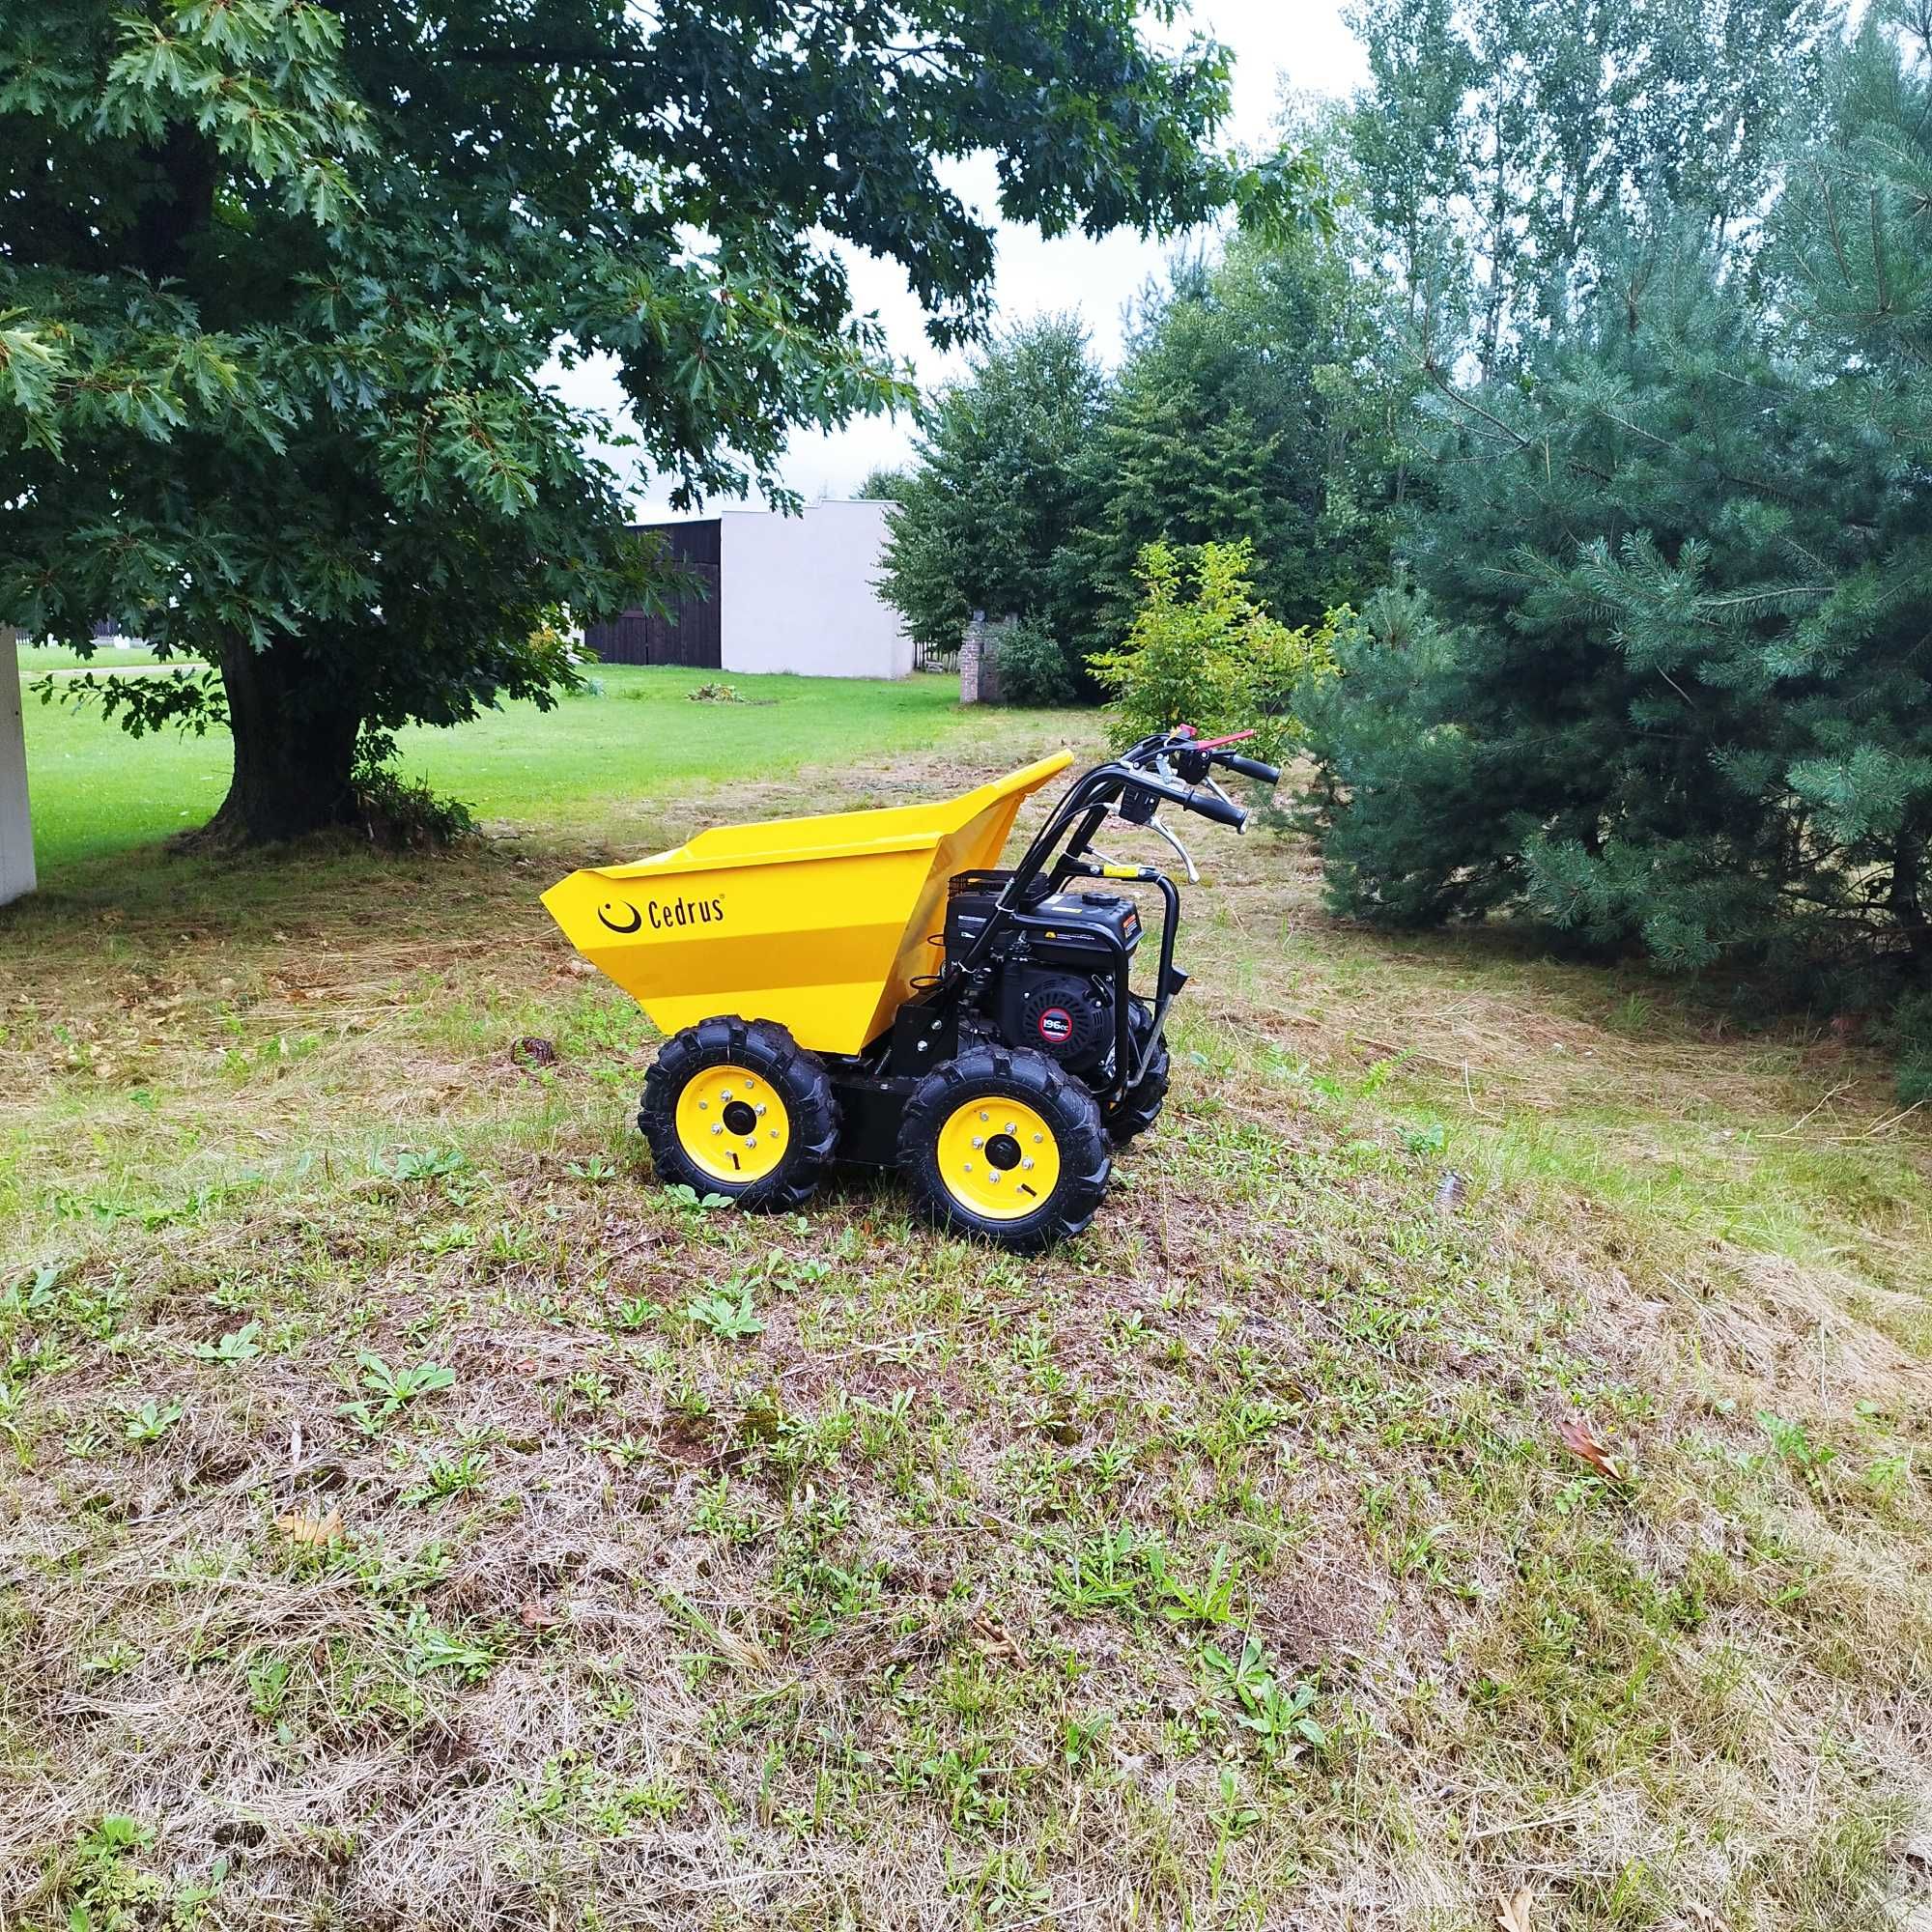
(1683, 558)
(1250, 409)
(997, 488)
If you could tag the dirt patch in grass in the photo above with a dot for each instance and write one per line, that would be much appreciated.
(410, 1515)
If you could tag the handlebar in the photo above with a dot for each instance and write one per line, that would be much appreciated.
(1194, 755)
(1170, 767)
(1223, 811)
(1249, 768)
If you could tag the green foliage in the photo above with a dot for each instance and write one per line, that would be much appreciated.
(984, 518)
(726, 1312)
(1500, 143)
(1669, 688)
(390, 1390)
(1396, 794)
(1034, 669)
(400, 812)
(885, 485)
(151, 1420)
(1255, 403)
(1214, 658)
(281, 284)
(1251, 405)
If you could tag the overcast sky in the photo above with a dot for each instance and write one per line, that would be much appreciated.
(1301, 43)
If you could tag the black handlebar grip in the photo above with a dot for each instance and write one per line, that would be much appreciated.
(1252, 768)
(1220, 810)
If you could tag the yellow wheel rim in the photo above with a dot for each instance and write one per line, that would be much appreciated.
(998, 1158)
(733, 1124)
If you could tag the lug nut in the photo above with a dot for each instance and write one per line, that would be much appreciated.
(1027, 1161)
(751, 1140)
(717, 1126)
(977, 1142)
(1038, 1138)
(761, 1107)
(983, 1115)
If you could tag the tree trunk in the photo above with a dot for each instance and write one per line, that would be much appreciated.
(295, 746)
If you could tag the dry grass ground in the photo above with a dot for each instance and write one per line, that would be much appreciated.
(410, 1516)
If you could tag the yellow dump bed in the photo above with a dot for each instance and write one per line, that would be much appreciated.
(819, 924)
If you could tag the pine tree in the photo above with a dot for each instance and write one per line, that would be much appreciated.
(1685, 696)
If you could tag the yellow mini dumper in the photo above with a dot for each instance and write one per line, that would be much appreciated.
(792, 965)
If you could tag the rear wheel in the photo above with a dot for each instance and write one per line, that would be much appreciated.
(738, 1107)
(1004, 1146)
(1138, 1109)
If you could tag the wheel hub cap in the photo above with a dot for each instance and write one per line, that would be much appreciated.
(733, 1124)
(998, 1158)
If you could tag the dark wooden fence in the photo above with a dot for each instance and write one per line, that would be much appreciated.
(687, 634)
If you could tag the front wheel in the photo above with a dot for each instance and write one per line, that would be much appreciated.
(738, 1107)
(1004, 1146)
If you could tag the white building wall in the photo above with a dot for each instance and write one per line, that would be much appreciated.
(799, 593)
(17, 828)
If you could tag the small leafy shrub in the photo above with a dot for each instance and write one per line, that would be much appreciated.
(238, 1345)
(404, 815)
(1034, 669)
(716, 694)
(151, 1420)
(1205, 653)
(726, 1315)
(390, 1389)
(683, 1195)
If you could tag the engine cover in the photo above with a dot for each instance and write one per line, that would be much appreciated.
(1065, 1016)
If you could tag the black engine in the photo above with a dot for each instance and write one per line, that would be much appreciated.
(1068, 1018)
(1050, 981)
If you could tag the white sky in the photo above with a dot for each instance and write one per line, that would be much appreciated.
(1301, 44)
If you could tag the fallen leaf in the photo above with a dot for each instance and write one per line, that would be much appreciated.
(993, 1642)
(1576, 1436)
(1512, 1913)
(533, 1616)
(312, 1532)
(533, 1051)
(1704, 1916)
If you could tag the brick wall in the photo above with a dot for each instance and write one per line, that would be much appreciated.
(980, 659)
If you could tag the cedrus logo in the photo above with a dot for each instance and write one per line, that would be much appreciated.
(622, 917)
(684, 912)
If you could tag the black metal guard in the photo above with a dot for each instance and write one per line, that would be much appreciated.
(1083, 811)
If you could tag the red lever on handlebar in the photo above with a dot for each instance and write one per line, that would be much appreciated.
(1213, 744)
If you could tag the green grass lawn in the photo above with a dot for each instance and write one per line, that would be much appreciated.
(411, 1514)
(36, 660)
(589, 761)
